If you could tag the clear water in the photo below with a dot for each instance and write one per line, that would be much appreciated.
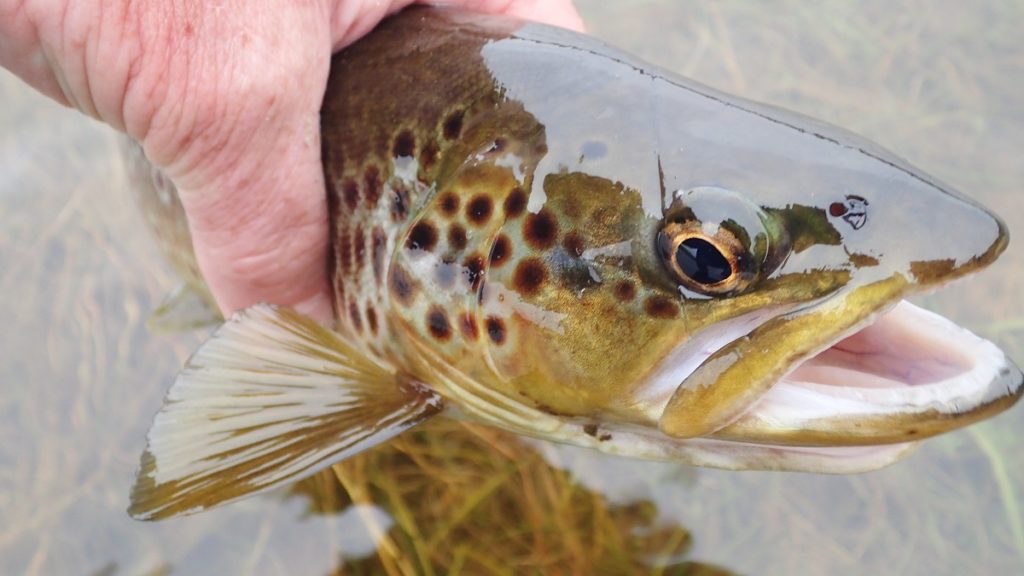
(939, 82)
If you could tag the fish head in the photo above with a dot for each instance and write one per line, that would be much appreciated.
(686, 260)
(641, 250)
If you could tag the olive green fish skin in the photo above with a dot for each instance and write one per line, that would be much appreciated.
(498, 192)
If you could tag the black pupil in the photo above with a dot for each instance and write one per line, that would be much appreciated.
(702, 262)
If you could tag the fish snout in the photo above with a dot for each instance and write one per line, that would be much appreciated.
(959, 237)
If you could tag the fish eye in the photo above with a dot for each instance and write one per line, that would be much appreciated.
(707, 263)
(715, 242)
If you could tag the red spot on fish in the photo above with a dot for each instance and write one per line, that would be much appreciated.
(837, 209)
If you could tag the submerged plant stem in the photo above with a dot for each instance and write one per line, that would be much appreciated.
(1006, 491)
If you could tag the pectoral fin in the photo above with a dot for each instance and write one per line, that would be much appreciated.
(270, 398)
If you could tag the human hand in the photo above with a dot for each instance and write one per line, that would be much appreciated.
(225, 98)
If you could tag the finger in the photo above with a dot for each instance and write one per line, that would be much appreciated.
(555, 12)
(352, 20)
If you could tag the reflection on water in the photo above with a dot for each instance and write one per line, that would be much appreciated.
(82, 377)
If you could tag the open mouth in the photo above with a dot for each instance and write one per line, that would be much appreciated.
(907, 375)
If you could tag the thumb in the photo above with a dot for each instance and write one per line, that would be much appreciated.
(239, 136)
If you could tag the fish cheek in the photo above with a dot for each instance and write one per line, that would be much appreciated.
(586, 354)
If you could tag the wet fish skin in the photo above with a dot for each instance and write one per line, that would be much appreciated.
(593, 181)
(519, 219)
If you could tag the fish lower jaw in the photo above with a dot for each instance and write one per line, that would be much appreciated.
(907, 375)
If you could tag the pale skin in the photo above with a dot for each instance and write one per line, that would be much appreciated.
(225, 97)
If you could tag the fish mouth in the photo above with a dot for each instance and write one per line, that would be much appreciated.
(905, 375)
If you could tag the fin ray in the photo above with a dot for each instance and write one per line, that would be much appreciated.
(272, 397)
(186, 308)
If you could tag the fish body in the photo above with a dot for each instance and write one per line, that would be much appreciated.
(533, 230)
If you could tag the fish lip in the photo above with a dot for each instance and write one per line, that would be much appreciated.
(955, 378)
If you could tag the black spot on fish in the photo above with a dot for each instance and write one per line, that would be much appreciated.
(353, 312)
(540, 230)
(372, 183)
(437, 324)
(402, 287)
(371, 318)
(473, 271)
(496, 329)
(405, 145)
(423, 236)
(399, 202)
(359, 246)
(333, 200)
(428, 155)
(478, 211)
(515, 203)
(350, 191)
(573, 244)
(625, 291)
(453, 125)
(345, 252)
(457, 237)
(500, 251)
(449, 204)
(530, 276)
(379, 240)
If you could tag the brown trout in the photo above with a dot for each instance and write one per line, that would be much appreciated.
(536, 231)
